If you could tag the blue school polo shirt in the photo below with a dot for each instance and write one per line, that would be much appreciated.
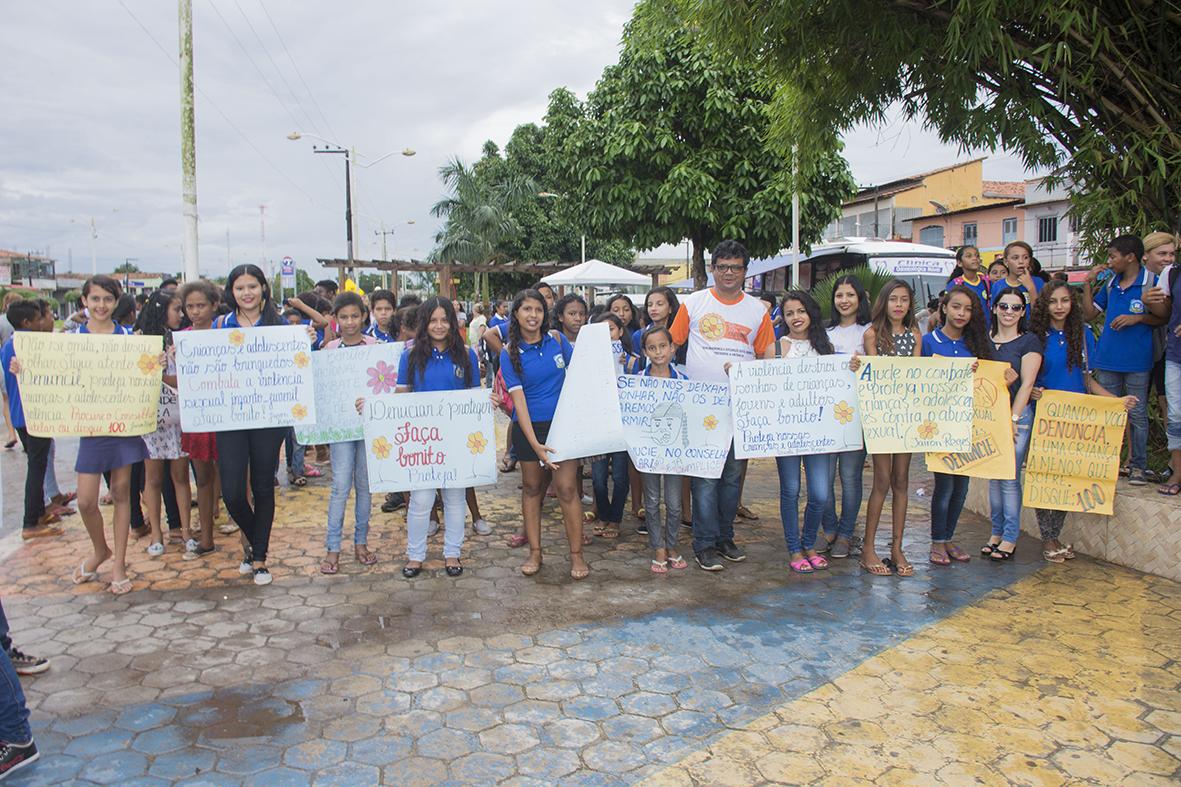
(673, 374)
(377, 333)
(1172, 341)
(543, 370)
(999, 286)
(440, 374)
(1054, 374)
(495, 321)
(1130, 348)
(16, 410)
(937, 343)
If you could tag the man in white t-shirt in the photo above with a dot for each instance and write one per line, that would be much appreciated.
(722, 326)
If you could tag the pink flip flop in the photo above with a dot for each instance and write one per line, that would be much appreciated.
(819, 563)
(801, 566)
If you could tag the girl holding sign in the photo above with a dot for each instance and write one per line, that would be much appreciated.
(349, 470)
(846, 331)
(438, 361)
(250, 455)
(1023, 352)
(662, 533)
(805, 337)
(161, 316)
(1068, 347)
(892, 331)
(533, 364)
(962, 335)
(199, 299)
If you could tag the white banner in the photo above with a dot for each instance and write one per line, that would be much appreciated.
(587, 421)
(675, 427)
(794, 406)
(432, 440)
(233, 378)
(341, 375)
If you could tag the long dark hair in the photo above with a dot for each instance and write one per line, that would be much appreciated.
(514, 327)
(975, 332)
(153, 319)
(669, 296)
(880, 319)
(634, 323)
(268, 314)
(862, 317)
(560, 308)
(420, 353)
(816, 333)
(1022, 327)
(1072, 326)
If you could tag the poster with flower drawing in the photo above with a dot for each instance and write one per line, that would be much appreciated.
(342, 376)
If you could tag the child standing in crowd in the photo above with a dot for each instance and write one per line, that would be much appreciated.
(662, 533)
(892, 332)
(534, 363)
(1122, 363)
(622, 307)
(660, 307)
(1023, 352)
(160, 317)
(967, 272)
(609, 503)
(250, 453)
(962, 335)
(1160, 249)
(199, 299)
(1069, 347)
(381, 310)
(24, 316)
(438, 361)
(349, 470)
(805, 338)
(997, 270)
(846, 331)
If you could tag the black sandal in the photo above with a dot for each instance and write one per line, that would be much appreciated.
(988, 549)
(999, 554)
(454, 571)
(411, 572)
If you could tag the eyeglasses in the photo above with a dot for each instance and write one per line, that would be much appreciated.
(729, 268)
(1010, 307)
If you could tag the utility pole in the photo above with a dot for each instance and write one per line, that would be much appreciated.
(384, 256)
(188, 142)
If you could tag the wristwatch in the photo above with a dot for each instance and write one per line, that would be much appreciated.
(1016, 418)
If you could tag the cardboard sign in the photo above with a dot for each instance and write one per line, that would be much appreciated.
(794, 406)
(587, 421)
(675, 427)
(341, 376)
(88, 384)
(992, 454)
(1074, 452)
(234, 378)
(432, 440)
(915, 404)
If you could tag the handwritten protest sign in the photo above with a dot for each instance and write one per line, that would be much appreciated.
(233, 379)
(340, 376)
(915, 404)
(675, 427)
(436, 440)
(992, 454)
(1074, 452)
(88, 384)
(793, 406)
(587, 421)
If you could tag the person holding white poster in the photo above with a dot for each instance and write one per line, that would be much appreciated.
(805, 338)
(438, 361)
(662, 533)
(533, 363)
(721, 326)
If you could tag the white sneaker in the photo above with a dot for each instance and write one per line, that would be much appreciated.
(156, 549)
(191, 545)
(482, 527)
(262, 576)
(245, 568)
(587, 500)
(432, 528)
(227, 528)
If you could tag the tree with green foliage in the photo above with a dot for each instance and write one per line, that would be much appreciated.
(1088, 90)
(127, 267)
(672, 144)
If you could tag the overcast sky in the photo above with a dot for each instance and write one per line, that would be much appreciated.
(91, 119)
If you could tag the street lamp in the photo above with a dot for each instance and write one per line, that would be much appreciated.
(349, 159)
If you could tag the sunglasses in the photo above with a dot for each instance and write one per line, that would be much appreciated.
(1010, 307)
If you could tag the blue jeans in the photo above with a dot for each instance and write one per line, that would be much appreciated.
(947, 503)
(715, 503)
(1173, 395)
(14, 716)
(294, 451)
(610, 506)
(1132, 384)
(818, 468)
(349, 471)
(850, 464)
(1004, 497)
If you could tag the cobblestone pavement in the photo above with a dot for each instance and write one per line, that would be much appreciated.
(1020, 672)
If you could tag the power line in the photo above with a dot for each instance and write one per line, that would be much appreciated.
(266, 51)
(298, 73)
(218, 109)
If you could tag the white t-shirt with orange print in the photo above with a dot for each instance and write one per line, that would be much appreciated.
(721, 332)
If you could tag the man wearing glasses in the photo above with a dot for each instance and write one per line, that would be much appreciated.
(722, 326)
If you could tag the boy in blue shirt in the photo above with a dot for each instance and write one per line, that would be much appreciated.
(1123, 360)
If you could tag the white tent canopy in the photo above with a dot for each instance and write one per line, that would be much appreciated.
(595, 273)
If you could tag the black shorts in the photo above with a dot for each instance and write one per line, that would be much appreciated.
(524, 448)
(1158, 377)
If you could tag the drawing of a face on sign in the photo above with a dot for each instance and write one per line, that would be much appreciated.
(668, 423)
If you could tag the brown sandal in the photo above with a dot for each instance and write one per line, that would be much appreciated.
(365, 558)
(578, 573)
(329, 566)
(880, 570)
(529, 567)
